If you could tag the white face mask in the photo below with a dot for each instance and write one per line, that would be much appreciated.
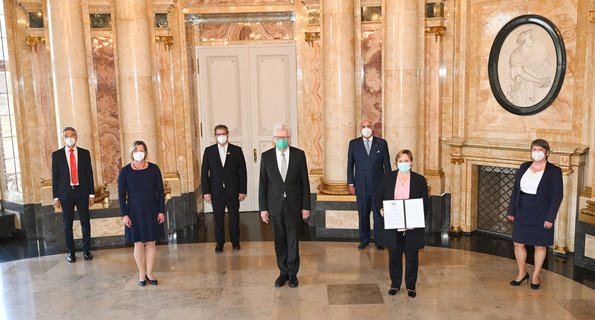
(222, 139)
(138, 156)
(537, 155)
(366, 132)
(70, 141)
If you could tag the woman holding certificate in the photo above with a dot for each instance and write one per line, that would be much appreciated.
(534, 203)
(403, 184)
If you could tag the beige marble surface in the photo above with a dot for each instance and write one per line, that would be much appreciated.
(101, 227)
(590, 246)
(344, 219)
(197, 283)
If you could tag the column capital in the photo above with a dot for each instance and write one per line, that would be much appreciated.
(162, 6)
(167, 40)
(33, 41)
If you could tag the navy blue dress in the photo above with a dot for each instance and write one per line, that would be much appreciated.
(531, 211)
(146, 200)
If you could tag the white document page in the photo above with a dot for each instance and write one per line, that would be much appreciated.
(414, 211)
(394, 215)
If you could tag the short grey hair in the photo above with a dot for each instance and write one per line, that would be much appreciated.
(278, 127)
(67, 129)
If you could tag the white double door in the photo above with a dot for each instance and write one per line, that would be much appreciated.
(249, 89)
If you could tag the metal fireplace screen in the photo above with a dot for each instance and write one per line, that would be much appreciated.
(495, 188)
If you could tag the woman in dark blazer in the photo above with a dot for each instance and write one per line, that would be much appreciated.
(534, 203)
(396, 185)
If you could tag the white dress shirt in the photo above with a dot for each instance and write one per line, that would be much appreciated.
(223, 153)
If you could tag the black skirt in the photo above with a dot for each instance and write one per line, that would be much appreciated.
(528, 224)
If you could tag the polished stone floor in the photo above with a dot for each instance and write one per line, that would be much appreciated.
(336, 282)
(459, 278)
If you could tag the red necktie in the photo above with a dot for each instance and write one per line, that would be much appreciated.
(74, 177)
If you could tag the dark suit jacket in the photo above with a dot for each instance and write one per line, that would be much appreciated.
(550, 191)
(61, 174)
(214, 174)
(418, 188)
(296, 185)
(363, 170)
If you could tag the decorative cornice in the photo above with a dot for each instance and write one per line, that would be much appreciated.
(310, 36)
(100, 7)
(167, 40)
(31, 6)
(588, 214)
(171, 176)
(435, 173)
(163, 6)
(33, 41)
(316, 172)
(311, 4)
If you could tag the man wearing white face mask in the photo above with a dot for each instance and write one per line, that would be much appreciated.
(72, 185)
(368, 160)
(224, 183)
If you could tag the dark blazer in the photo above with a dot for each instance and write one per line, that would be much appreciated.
(61, 174)
(418, 188)
(550, 191)
(363, 170)
(214, 174)
(296, 185)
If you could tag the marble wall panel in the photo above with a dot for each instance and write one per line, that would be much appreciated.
(344, 219)
(311, 119)
(372, 78)
(46, 118)
(108, 118)
(486, 118)
(190, 31)
(195, 2)
(100, 227)
(590, 246)
(166, 108)
(220, 32)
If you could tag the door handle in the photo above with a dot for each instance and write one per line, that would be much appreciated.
(255, 158)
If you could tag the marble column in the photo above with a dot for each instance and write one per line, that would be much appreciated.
(340, 125)
(69, 70)
(400, 75)
(433, 111)
(134, 41)
(561, 224)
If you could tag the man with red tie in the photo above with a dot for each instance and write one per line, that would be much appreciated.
(72, 185)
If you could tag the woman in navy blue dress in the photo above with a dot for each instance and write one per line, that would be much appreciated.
(534, 204)
(143, 211)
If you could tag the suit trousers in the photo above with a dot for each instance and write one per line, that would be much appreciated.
(233, 207)
(286, 237)
(395, 263)
(81, 201)
(365, 204)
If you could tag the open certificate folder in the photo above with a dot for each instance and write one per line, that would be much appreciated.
(404, 214)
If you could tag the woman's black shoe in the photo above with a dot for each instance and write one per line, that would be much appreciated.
(153, 282)
(393, 291)
(536, 286)
(142, 283)
(515, 283)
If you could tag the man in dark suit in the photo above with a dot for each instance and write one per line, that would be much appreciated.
(224, 184)
(368, 160)
(72, 185)
(284, 198)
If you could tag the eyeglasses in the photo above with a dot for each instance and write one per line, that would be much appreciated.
(221, 134)
(281, 137)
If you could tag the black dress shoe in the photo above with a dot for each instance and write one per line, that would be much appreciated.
(293, 281)
(280, 281)
(236, 247)
(142, 283)
(411, 293)
(219, 248)
(151, 281)
(393, 291)
(362, 246)
(515, 283)
(71, 257)
(379, 248)
(88, 255)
